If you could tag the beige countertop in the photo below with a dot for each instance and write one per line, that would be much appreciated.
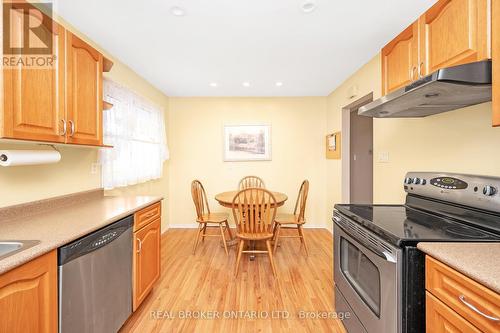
(479, 261)
(62, 224)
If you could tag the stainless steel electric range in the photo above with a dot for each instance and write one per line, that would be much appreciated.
(378, 270)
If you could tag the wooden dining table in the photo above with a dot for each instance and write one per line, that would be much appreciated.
(225, 199)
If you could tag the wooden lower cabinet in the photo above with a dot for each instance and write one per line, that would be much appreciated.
(441, 319)
(146, 264)
(147, 215)
(456, 303)
(28, 297)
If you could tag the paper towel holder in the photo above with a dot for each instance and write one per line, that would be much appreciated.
(4, 158)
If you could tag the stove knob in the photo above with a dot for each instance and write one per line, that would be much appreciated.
(416, 180)
(408, 181)
(489, 190)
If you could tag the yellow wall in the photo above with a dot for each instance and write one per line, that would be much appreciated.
(458, 141)
(73, 173)
(298, 127)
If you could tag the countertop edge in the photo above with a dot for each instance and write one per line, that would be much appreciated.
(29, 254)
(440, 255)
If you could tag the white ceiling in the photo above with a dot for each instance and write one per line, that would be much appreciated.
(232, 41)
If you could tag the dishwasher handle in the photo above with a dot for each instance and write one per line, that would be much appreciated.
(94, 241)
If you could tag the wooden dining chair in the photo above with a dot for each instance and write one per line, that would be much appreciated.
(206, 218)
(254, 210)
(295, 220)
(251, 181)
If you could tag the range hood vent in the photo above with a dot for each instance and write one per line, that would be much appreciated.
(444, 90)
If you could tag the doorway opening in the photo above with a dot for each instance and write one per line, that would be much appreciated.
(357, 154)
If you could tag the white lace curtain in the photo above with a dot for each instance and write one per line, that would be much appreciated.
(136, 130)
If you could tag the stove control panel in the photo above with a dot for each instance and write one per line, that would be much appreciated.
(469, 190)
(449, 183)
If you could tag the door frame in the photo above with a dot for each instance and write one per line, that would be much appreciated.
(346, 142)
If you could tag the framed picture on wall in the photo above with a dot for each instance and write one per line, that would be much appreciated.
(247, 143)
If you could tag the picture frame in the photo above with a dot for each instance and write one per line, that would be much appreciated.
(333, 145)
(247, 143)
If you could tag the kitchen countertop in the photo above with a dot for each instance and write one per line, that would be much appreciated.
(62, 224)
(479, 261)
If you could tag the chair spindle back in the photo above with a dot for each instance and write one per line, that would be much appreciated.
(254, 211)
(300, 204)
(251, 181)
(200, 199)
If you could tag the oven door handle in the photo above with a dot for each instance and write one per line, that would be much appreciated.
(383, 254)
(389, 257)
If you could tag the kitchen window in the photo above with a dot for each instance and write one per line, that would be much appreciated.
(135, 127)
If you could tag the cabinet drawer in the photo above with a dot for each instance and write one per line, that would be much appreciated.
(147, 215)
(463, 295)
(442, 319)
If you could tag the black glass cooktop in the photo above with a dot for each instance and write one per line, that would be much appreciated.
(403, 225)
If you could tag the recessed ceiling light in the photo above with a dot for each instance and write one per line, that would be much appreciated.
(213, 84)
(308, 6)
(177, 11)
(246, 84)
(279, 84)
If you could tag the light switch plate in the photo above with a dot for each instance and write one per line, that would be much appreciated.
(383, 157)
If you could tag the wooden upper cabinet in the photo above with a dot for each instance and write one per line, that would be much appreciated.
(28, 297)
(400, 59)
(454, 32)
(84, 92)
(34, 95)
(57, 103)
(146, 263)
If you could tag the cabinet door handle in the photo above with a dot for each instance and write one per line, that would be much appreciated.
(473, 308)
(139, 246)
(71, 128)
(65, 127)
(420, 70)
(414, 71)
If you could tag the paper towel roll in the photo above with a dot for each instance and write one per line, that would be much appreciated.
(28, 157)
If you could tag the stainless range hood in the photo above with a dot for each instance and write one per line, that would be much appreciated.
(444, 90)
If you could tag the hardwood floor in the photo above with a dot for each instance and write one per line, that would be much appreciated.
(204, 284)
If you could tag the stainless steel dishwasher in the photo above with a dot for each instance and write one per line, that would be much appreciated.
(95, 280)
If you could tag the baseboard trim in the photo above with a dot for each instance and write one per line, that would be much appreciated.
(194, 226)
